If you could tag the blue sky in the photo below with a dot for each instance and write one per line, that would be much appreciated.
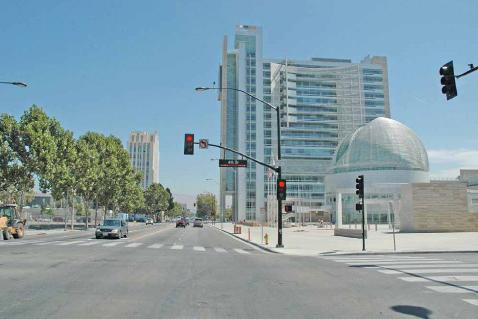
(117, 66)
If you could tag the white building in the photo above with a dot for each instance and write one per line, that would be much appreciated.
(143, 149)
(389, 155)
(321, 101)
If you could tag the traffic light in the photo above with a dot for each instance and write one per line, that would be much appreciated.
(359, 186)
(188, 144)
(448, 80)
(288, 208)
(281, 189)
(358, 206)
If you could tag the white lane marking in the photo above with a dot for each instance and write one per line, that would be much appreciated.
(428, 271)
(199, 248)
(408, 266)
(112, 244)
(240, 251)
(156, 246)
(407, 262)
(439, 278)
(472, 301)
(374, 261)
(71, 243)
(372, 257)
(13, 243)
(133, 245)
(49, 242)
(220, 250)
(177, 247)
(90, 243)
(454, 290)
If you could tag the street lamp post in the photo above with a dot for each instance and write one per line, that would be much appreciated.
(279, 168)
(19, 84)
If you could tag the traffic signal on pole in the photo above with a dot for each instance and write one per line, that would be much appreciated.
(358, 206)
(281, 189)
(188, 144)
(359, 186)
(448, 80)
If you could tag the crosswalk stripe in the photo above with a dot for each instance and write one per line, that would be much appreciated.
(428, 271)
(220, 250)
(13, 243)
(199, 248)
(177, 247)
(472, 301)
(454, 290)
(408, 266)
(439, 278)
(48, 243)
(133, 245)
(90, 243)
(156, 246)
(374, 257)
(240, 251)
(406, 262)
(371, 261)
(71, 243)
(112, 244)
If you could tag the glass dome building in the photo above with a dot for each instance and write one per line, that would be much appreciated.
(388, 154)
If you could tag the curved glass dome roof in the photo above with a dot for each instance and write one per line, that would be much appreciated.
(382, 144)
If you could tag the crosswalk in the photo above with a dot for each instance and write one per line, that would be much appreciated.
(127, 245)
(439, 275)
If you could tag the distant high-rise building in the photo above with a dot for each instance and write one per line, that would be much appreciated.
(321, 101)
(143, 150)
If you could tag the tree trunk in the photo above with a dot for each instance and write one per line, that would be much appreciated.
(87, 212)
(73, 213)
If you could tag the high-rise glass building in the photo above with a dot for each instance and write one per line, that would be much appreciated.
(321, 101)
(143, 148)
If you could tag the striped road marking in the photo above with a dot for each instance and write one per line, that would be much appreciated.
(134, 245)
(199, 248)
(49, 242)
(421, 266)
(428, 271)
(389, 263)
(454, 290)
(220, 250)
(71, 243)
(111, 244)
(440, 278)
(90, 243)
(241, 251)
(177, 247)
(156, 246)
(472, 301)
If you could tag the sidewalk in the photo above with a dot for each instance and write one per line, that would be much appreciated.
(312, 241)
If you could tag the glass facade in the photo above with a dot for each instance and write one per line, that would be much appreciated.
(321, 101)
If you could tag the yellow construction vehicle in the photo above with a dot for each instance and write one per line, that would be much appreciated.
(11, 225)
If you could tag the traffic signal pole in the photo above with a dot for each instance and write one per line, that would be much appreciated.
(277, 169)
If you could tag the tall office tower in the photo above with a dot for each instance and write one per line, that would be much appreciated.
(321, 101)
(143, 150)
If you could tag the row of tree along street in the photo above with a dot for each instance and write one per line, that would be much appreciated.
(94, 169)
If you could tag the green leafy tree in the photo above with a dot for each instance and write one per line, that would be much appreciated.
(206, 205)
(156, 199)
(15, 177)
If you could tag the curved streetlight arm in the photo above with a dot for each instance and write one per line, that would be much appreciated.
(20, 84)
(239, 90)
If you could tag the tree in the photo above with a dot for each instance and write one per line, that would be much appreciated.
(156, 199)
(228, 214)
(15, 177)
(176, 211)
(206, 205)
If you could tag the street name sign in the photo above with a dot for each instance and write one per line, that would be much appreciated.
(232, 163)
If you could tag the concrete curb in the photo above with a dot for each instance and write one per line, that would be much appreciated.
(248, 242)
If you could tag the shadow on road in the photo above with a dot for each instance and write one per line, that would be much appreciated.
(416, 311)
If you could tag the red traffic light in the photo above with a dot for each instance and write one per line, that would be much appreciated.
(188, 144)
(189, 137)
(281, 184)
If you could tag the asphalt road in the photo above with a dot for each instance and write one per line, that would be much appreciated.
(164, 272)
